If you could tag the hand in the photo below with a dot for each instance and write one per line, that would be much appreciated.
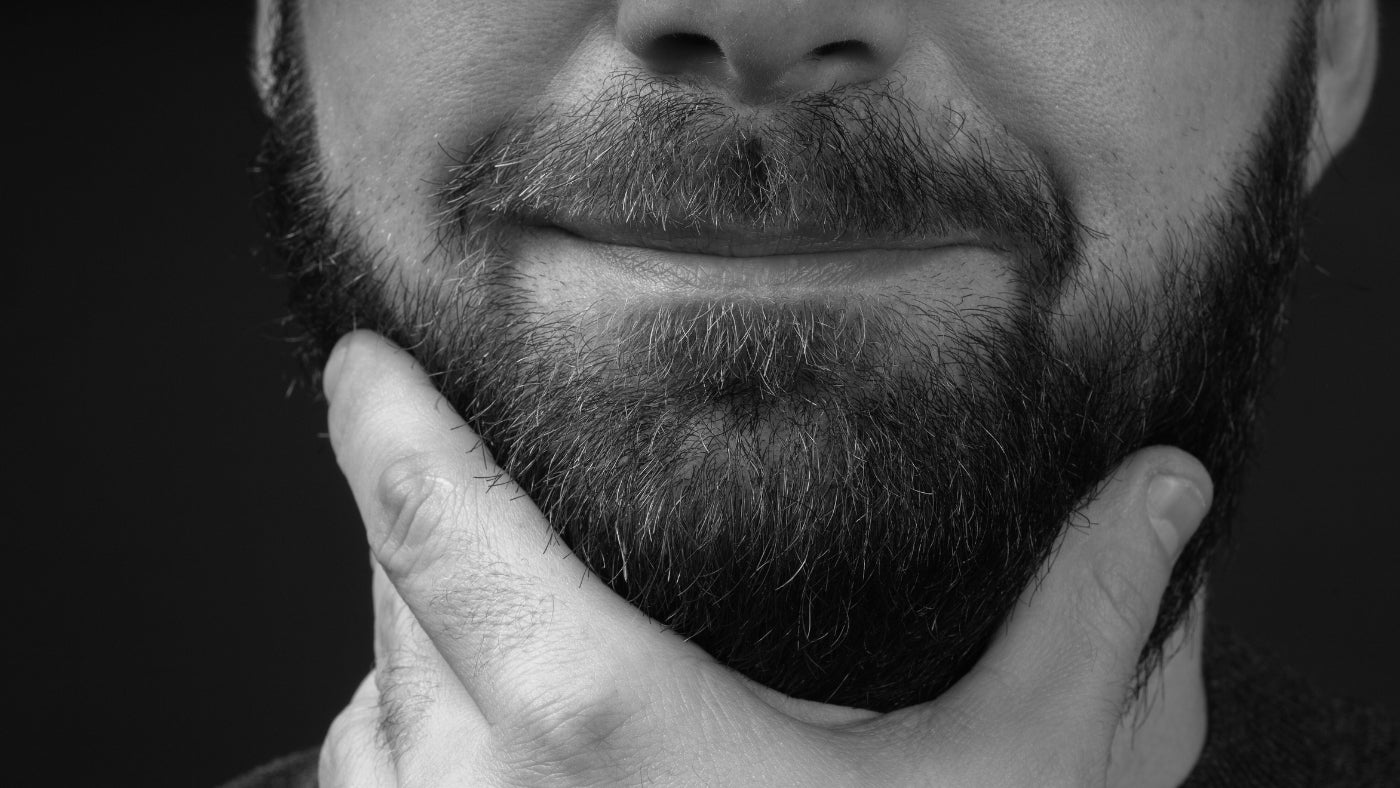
(501, 660)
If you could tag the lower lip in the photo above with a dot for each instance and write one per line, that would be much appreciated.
(639, 271)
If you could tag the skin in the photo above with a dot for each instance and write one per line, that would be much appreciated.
(503, 661)
(1143, 108)
(395, 91)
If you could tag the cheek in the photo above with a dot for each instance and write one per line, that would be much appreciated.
(1145, 109)
(401, 92)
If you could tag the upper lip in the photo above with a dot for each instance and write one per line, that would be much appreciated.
(747, 240)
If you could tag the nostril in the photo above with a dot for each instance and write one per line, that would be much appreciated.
(679, 51)
(855, 50)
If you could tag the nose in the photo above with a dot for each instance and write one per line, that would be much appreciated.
(760, 51)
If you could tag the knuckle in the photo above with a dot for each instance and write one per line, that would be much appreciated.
(574, 736)
(345, 743)
(405, 695)
(415, 501)
(328, 771)
(338, 736)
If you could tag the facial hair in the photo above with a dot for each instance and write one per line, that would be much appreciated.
(841, 498)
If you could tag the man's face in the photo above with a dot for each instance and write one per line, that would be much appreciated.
(809, 325)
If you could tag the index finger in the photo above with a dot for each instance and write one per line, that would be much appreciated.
(1082, 628)
(517, 615)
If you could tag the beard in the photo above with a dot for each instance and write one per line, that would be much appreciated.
(842, 498)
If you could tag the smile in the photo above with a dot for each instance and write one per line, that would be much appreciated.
(751, 265)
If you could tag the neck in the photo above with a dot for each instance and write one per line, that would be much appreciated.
(1160, 739)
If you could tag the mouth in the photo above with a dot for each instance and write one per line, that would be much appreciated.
(745, 264)
(750, 241)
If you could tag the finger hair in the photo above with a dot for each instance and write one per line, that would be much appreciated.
(406, 693)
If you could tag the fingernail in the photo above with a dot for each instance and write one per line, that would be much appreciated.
(1175, 506)
(330, 376)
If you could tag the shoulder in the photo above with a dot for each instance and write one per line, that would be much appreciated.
(1270, 726)
(297, 770)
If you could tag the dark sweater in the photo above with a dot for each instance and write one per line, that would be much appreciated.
(1268, 727)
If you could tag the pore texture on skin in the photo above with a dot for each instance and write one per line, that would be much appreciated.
(842, 497)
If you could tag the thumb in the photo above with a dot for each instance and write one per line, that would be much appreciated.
(1070, 649)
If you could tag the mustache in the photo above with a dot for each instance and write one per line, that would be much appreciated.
(860, 164)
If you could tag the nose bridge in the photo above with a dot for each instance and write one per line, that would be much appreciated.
(762, 50)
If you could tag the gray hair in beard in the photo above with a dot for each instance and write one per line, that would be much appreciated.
(776, 479)
(858, 162)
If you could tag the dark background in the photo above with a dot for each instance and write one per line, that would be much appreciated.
(190, 583)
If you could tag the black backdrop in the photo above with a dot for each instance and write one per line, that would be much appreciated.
(190, 588)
